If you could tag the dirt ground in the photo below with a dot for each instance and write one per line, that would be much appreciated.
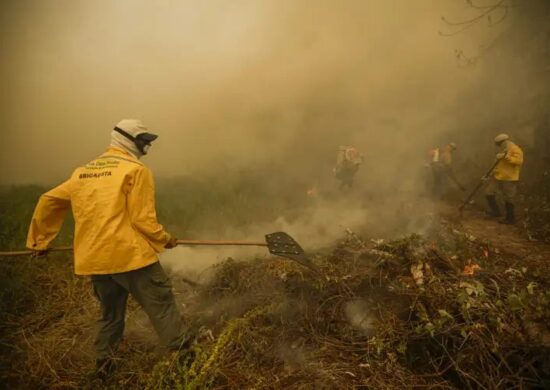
(509, 239)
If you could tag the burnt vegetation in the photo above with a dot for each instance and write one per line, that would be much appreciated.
(395, 313)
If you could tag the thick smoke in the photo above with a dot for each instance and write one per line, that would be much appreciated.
(229, 84)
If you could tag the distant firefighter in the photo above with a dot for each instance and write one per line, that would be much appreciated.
(504, 178)
(441, 165)
(348, 160)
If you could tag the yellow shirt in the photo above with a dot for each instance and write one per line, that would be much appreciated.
(113, 203)
(509, 167)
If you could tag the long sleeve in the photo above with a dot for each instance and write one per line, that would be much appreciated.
(143, 215)
(514, 156)
(48, 217)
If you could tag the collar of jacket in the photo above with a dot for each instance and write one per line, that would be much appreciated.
(116, 151)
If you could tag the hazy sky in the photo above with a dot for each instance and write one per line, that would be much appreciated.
(225, 83)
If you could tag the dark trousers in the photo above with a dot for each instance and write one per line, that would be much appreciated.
(152, 289)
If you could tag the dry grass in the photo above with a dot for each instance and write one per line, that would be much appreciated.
(272, 324)
(47, 337)
(365, 322)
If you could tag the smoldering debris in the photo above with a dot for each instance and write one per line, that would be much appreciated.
(268, 322)
(367, 322)
(358, 314)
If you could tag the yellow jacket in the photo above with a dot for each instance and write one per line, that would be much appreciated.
(509, 167)
(443, 156)
(113, 203)
(446, 155)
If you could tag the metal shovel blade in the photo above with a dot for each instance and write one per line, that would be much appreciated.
(281, 244)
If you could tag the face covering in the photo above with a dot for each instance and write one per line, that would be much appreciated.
(141, 142)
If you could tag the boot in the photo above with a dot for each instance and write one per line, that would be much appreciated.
(510, 218)
(493, 211)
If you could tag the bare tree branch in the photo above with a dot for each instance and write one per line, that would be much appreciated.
(488, 10)
(499, 9)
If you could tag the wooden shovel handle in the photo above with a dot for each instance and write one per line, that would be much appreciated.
(213, 242)
(180, 242)
(29, 252)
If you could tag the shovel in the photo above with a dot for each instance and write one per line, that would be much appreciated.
(476, 189)
(279, 244)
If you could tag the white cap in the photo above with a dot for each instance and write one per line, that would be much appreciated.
(134, 127)
(501, 137)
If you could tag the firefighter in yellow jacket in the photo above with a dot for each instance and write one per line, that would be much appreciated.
(348, 160)
(117, 238)
(504, 178)
(441, 164)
